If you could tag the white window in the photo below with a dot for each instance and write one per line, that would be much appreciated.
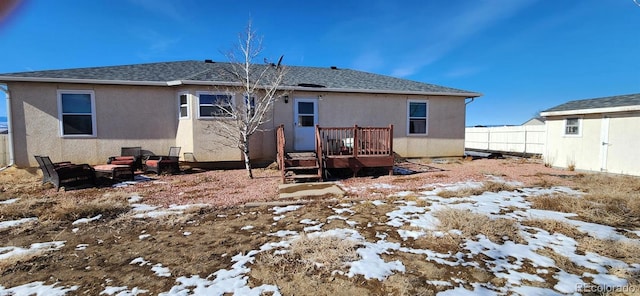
(212, 105)
(183, 106)
(77, 113)
(417, 117)
(572, 126)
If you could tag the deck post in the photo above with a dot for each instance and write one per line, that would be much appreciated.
(355, 141)
(391, 147)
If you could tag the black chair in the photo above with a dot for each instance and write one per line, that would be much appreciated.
(63, 174)
(131, 156)
(161, 163)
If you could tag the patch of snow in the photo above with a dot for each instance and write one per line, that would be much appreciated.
(82, 247)
(313, 228)
(143, 236)
(280, 210)
(8, 252)
(371, 265)
(14, 223)
(341, 211)
(414, 234)
(309, 221)
(186, 233)
(134, 199)
(9, 201)
(123, 291)
(283, 233)
(351, 223)
(157, 268)
(86, 220)
(37, 288)
(248, 227)
(440, 283)
(161, 271)
(278, 218)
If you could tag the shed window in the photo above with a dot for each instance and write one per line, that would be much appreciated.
(76, 112)
(572, 126)
(417, 117)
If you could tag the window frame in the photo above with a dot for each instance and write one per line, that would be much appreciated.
(426, 118)
(578, 125)
(232, 103)
(61, 113)
(187, 105)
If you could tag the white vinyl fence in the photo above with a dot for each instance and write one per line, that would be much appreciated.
(517, 139)
(4, 150)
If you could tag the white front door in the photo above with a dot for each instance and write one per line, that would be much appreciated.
(305, 118)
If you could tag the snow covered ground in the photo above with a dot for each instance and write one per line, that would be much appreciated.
(509, 261)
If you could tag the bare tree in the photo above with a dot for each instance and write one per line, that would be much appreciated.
(257, 84)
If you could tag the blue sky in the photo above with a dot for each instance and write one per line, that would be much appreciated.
(524, 56)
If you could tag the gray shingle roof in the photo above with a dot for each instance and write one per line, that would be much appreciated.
(606, 102)
(297, 76)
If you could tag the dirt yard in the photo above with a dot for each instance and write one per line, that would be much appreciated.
(495, 227)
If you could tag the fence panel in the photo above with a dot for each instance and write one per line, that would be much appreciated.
(519, 139)
(4, 150)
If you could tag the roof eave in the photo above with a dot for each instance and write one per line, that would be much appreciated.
(226, 83)
(329, 89)
(385, 91)
(81, 81)
(591, 111)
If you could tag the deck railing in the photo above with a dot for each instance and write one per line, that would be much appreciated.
(355, 141)
(319, 157)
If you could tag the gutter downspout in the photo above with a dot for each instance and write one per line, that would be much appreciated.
(5, 89)
(469, 102)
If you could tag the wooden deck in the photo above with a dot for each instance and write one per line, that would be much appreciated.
(338, 147)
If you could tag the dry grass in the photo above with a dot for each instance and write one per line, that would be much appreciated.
(308, 255)
(626, 251)
(609, 200)
(472, 224)
(555, 226)
(66, 207)
(13, 261)
(488, 186)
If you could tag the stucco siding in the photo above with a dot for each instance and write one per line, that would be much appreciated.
(125, 116)
(147, 116)
(185, 129)
(446, 119)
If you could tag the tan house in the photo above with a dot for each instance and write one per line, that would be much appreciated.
(601, 134)
(85, 115)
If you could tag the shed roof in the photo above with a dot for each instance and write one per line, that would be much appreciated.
(618, 103)
(208, 72)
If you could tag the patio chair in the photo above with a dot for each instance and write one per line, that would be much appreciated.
(131, 156)
(161, 163)
(63, 174)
